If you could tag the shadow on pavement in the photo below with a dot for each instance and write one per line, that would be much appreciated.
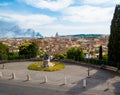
(97, 82)
(117, 88)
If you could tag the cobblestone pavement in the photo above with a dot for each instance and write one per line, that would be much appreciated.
(70, 80)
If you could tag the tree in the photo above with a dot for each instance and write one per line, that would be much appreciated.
(13, 55)
(60, 56)
(75, 53)
(41, 53)
(3, 51)
(28, 50)
(105, 57)
(114, 39)
(100, 53)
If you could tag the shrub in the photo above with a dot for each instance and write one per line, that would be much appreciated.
(60, 56)
(37, 66)
(75, 53)
(13, 55)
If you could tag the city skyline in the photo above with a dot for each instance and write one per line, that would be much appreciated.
(63, 16)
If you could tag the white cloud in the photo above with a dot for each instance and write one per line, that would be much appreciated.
(28, 21)
(95, 1)
(98, 2)
(70, 29)
(80, 19)
(88, 14)
(4, 17)
(53, 5)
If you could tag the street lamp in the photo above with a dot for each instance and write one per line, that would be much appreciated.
(88, 56)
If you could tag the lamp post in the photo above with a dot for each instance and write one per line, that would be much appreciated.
(89, 64)
(88, 56)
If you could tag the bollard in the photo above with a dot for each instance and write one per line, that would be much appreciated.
(107, 87)
(28, 77)
(3, 66)
(45, 79)
(1, 75)
(108, 84)
(88, 73)
(65, 80)
(13, 76)
(84, 83)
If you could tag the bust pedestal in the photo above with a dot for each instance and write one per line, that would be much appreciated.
(47, 63)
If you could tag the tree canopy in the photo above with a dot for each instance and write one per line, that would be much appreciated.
(114, 39)
(75, 53)
(28, 50)
(3, 51)
(100, 52)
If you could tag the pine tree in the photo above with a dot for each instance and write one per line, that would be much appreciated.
(114, 39)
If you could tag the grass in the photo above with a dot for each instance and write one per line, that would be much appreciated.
(37, 66)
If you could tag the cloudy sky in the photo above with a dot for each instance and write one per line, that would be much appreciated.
(63, 16)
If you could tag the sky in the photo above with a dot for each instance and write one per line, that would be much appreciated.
(66, 17)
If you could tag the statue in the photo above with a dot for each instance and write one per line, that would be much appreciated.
(46, 61)
(46, 56)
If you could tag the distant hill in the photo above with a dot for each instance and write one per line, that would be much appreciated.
(87, 35)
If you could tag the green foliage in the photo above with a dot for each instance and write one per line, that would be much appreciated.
(75, 53)
(114, 39)
(100, 53)
(13, 55)
(28, 50)
(37, 66)
(91, 52)
(60, 56)
(105, 57)
(3, 51)
(41, 53)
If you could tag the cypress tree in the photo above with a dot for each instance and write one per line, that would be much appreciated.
(114, 39)
(100, 53)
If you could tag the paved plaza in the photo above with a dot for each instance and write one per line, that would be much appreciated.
(72, 80)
